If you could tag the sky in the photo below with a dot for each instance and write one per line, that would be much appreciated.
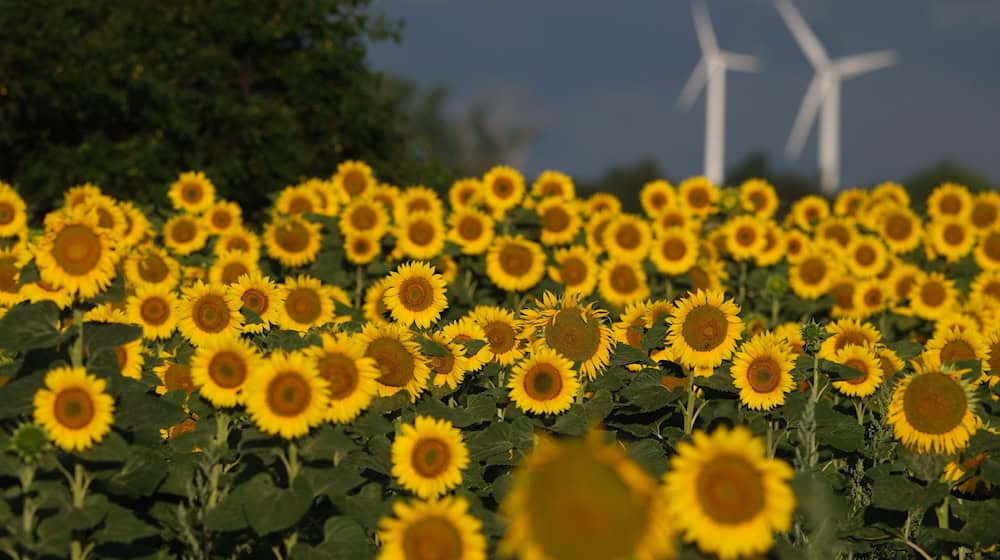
(600, 79)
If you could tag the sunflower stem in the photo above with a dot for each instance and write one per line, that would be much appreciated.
(743, 282)
(26, 475)
(76, 350)
(79, 552)
(859, 409)
(775, 311)
(79, 482)
(290, 458)
(670, 290)
(359, 281)
(942, 513)
(689, 414)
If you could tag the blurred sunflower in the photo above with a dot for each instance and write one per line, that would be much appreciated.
(987, 252)
(863, 359)
(13, 212)
(758, 197)
(434, 529)
(286, 396)
(464, 193)
(361, 249)
(576, 331)
(553, 184)
(575, 269)
(704, 328)
(223, 217)
(985, 213)
(774, 245)
(154, 308)
(708, 275)
(503, 188)
(298, 200)
(228, 267)
(502, 334)
(292, 241)
(515, 263)
(745, 237)
(949, 200)
(364, 216)
(932, 410)
(841, 231)
(900, 229)
(415, 294)
(150, 265)
(932, 295)
(603, 202)
(417, 199)
(222, 368)
(622, 282)
(374, 307)
(471, 230)
(560, 221)
(397, 356)
(351, 377)
(74, 408)
(951, 237)
(809, 211)
(428, 457)
(304, 302)
(137, 226)
(955, 344)
(762, 371)
(192, 192)
(699, 196)
(77, 255)
(421, 236)
(238, 239)
(813, 275)
(352, 179)
(184, 234)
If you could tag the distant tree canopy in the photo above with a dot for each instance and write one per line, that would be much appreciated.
(259, 95)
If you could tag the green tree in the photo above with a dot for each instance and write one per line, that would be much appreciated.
(259, 95)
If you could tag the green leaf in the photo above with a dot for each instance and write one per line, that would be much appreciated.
(101, 336)
(501, 443)
(839, 372)
(980, 518)
(720, 380)
(367, 506)
(905, 349)
(27, 326)
(650, 454)
(111, 449)
(646, 391)
(140, 475)
(123, 526)
(17, 397)
(898, 493)
(345, 539)
(655, 337)
(430, 348)
(581, 417)
(626, 354)
(989, 470)
(322, 443)
(273, 509)
(472, 347)
(838, 430)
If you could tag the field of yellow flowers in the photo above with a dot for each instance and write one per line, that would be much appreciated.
(516, 371)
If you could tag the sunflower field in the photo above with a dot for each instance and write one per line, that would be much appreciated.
(507, 371)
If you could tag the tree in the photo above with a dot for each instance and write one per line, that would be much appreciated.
(921, 183)
(259, 95)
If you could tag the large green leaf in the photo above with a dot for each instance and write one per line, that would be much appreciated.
(27, 326)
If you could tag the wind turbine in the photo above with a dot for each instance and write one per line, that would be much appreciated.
(824, 90)
(710, 74)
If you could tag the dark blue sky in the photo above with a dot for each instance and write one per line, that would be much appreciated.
(600, 79)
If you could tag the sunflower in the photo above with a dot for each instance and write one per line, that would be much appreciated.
(951, 237)
(758, 197)
(305, 303)
(901, 281)
(622, 282)
(774, 245)
(726, 496)
(137, 226)
(223, 216)
(890, 362)
(74, 408)
(762, 371)
(222, 368)
(150, 265)
(603, 202)
(77, 255)
(576, 331)
(109, 216)
(840, 231)
(632, 323)
(421, 236)
(298, 200)
(699, 196)
(106, 312)
(471, 230)
(417, 199)
(462, 332)
(544, 382)
(78, 194)
(932, 295)
(560, 221)
(956, 320)
(796, 245)
(627, 237)
(956, 344)
(259, 294)
(515, 263)
(809, 211)
(986, 285)
(708, 275)
(501, 331)
(870, 297)
(704, 328)
(350, 376)
(863, 359)
(374, 308)
(130, 359)
(229, 267)
(326, 194)
(397, 357)
(238, 239)
(450, 367)
(192, 192)
(11, 262)
(173, 375)
(464, 193)
(361, 249)
(584, 499)
(891, 191)
(987, 252)
(364, 216)
(812, 276)
(949, 200)
(154, 309)
(553, 184)
(866, 256)
(416, 295)
(848, 332)
(900, 228)
(503, 188)
(745, 237)
(286, 395)
(13, 213)
(184, 234)
(352, 179)
(575, 269)
(293, 241)
(433, 529)
(594, 230)
(656, 196)
(932, 410)
(791, 332)
(428, 457)
(985, 213)
(956, 471)
(207, 312)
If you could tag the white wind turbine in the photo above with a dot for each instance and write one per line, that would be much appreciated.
(824, 90)
(710, 73)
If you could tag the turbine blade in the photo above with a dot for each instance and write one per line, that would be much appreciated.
(804, 119)
(862, 63)
(693, 86)
(740, 62)
(703, 27)
(804, 36)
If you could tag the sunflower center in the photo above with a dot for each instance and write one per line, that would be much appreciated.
(363, 217)
(470, 228)
(671, 219)
(77, 249)
(74, 408)
(812, 270)
(292, 237)
(838, 233)
(361, 246)
(154, 311)
(904, 285)
(552, 188)
(697, 198)
(746, 236)
(432, 538)
(288, 394)
(442, 365)
(850, 338)
(574, 271)
(898, 227)
(764, 374)
(104, 218)
(543, 382)
(421, 232)
(192, 193)
(416, 294)
(623, 279)
(864, 255)
(431, 457)
(184, 231)
(8, 275)
(418, 205)
(555, 219)
(994, 360)
(954, 234)
(304, 305)
(991, 246)
(503, 188)
(933, 294)
(256, 301)
(221, 219)
(657, 200)
(227, 369)
(673, 249)
(843, 293)
(300, 205)
(957, 351)
(628, 236)
(354, 182)
(178, 376)
(501, 336)
(394, 361)
(812, 214)
(700, 278)
(466, 194)
(580, 507)
(730, 490)
(210, 313)
(153, 269)
(860, 366)
(515, 259)
(232, 271)
(238, 244)
(950, 204)
(705, 328)
(934, 403)
(873, 297)
(572, 336)
(984, 214)
(122, 355)
(340, 373)
(7, 213)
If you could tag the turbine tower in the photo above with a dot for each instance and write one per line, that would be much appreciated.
(710, 74)
(824, 91)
